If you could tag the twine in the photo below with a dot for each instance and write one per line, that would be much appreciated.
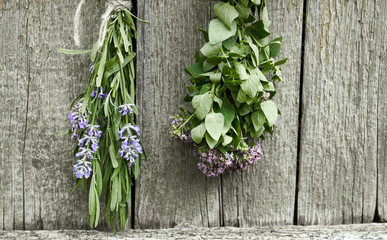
(111, 7)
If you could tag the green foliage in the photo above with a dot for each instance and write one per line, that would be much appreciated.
(230, 93)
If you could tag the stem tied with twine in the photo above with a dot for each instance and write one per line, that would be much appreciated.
(111, 7)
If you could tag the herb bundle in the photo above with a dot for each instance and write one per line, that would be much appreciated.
(230, 96)
(103, 123)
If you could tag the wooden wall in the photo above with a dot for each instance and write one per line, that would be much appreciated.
(325, 164)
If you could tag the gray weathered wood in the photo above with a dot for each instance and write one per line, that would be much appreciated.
(265, 194)
(339, 126)
(14, 86)
(37, 87)
(347, 232)
(171, 190)
(380, 68)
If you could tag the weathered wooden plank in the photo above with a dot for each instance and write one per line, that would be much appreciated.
(265, 194)
(14, 84)
(380, 57)
(171, 190)
(37, 87)
(350, 232)
(339, 125)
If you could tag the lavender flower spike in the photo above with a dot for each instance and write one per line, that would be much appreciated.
(125, 109)
(130, 147)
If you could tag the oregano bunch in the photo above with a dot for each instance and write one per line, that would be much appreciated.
(230, 97)
(102, 120)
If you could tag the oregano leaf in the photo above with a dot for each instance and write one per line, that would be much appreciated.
(202, 104)
(218, 31)
(198, 132)
(214, 125)
(226, 12)
(271, 111)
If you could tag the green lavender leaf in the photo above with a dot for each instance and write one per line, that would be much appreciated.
(101, 67)
(73, 52)
(113, 156)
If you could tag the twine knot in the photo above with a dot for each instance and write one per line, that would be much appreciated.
(112, 6)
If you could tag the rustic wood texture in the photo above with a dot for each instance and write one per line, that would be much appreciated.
(347, 232)
(37, 85)
(171, 190)
(265, 193)
(343, 156)
(338, 165)
(380, 57)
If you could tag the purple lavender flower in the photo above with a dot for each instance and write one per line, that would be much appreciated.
(88, 146)
(100, 92)
(130, 146)
(136, 129)
(82, 168)
(91, 69)
(78, 120)
(125, 109)
(93, 92)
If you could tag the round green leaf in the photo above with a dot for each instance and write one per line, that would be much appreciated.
(226, 12)
(214, 124)
(218, 31)
(198, 132)
(271, 111)
(202, 104)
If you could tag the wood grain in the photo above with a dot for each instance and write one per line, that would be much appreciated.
(352, 231)
(379, 69)
(339, 127)
(171, 190)
(37, 87)
(265, 193)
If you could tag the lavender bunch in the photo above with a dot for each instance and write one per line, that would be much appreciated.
(109, 150)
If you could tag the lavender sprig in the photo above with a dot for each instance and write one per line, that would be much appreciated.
(78, 120)
(130, 146)
(88, 146)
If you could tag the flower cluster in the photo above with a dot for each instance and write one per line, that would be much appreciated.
(125, 109)
(130, 146)
(178, 130)
(88, 145)
(99, 93)
(213, 163)
(265, 97)
(77, 118)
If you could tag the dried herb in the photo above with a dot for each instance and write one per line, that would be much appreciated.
(109, 151)
(230, 96)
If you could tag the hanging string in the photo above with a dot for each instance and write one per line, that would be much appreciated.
(111, 7)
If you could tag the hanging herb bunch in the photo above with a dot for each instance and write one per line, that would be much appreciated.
(102, 119)
(231, 98)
